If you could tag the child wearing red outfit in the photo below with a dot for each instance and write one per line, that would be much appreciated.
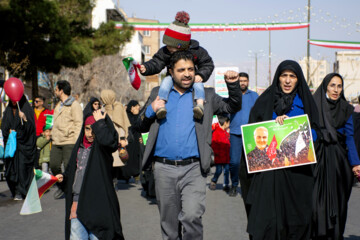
(221, 146)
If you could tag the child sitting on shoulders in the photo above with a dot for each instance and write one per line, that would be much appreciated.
(177, 37)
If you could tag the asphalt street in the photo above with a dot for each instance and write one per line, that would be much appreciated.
(224, 218)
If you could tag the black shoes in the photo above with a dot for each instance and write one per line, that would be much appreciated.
(226, 188)
(233, 191)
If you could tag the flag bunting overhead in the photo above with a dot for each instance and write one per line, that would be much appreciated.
(218, 27)
(335, 44)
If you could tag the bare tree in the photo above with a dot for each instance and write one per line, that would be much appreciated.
(106, 72)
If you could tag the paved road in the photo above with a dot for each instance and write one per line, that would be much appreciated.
(224, 218)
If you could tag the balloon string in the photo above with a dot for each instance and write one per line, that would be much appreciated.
(17, 103)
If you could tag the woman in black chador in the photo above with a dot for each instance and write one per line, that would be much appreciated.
(135, 147)
(279, 202)
(91, 204)
(19, 169)
(337, 159)
(93, 104)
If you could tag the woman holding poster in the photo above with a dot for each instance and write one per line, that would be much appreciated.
(337, 159)
(279, 202)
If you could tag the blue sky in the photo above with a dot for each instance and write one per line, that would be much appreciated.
(330, 20)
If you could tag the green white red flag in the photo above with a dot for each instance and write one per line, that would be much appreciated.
(219, 27)
(131, 67)
(41, 182)
(335, 44)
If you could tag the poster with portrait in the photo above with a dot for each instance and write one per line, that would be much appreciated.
(270, 146)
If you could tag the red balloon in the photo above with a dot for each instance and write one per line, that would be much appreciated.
(14, 88)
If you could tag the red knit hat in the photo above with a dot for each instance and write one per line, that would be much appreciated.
(178, 34)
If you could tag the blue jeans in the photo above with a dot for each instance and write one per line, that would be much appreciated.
(79, 232)
(236, 148)
(167, 84)
(218, 171)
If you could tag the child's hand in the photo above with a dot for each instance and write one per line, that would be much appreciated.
(98, 115)
(157, 104)
(60, 177)
(142, 68)
(198, 78)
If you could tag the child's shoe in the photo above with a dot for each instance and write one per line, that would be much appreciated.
(161, 113)
(198, 111)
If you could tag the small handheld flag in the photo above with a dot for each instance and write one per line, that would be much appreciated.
(49, 122)
(41, 182)
(131, 67)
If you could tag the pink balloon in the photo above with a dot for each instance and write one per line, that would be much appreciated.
(14, 88)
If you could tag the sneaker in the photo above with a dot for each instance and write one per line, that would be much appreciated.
(161, 113)
(18, 197)
(59, 194)
(226, 188)
(198, 111)
(212, 186)
(233, 191)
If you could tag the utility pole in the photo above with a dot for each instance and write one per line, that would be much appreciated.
(308, 46)
(255, 55)
(256, 82)
(269, 58)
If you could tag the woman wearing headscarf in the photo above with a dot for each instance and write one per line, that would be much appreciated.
(135, 147)
(19, 169)
(337, 159)
(93, 104)
(118, 115)
(92, 208)
(279, 202)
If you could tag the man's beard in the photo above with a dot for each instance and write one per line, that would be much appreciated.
(243, 89)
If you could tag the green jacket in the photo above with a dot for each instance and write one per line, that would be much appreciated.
(45, 146)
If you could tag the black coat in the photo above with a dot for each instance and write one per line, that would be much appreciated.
(333, 172)
(98, 207)
(202, 61)
(19, 169)
(134, 147)
(279, 201)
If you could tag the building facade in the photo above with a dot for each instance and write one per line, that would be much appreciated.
(318, 70)
(348, 66)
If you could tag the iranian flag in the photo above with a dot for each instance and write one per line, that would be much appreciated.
(218, 27)
(41, 182)
(335, 44)
(131, 67)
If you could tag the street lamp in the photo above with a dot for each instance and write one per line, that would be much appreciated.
(255, 54)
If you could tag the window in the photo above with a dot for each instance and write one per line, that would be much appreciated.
(147, 49)
(146, 33)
